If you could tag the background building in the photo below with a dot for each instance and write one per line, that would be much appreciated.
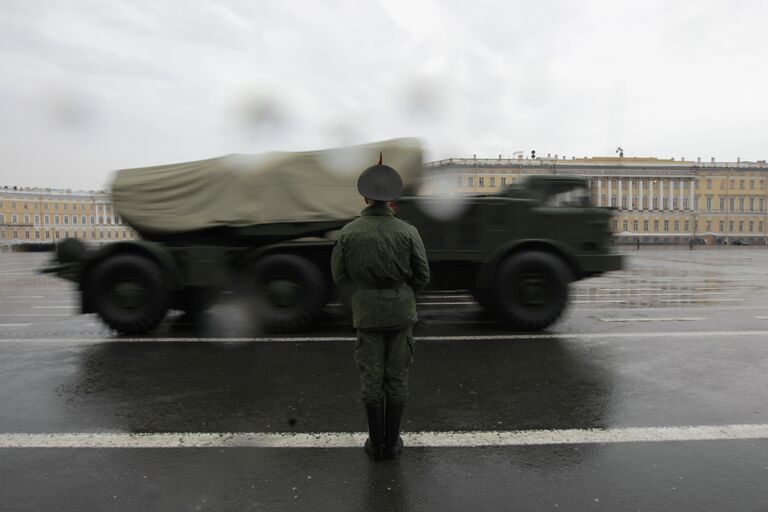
(45, 216)
(657, 201)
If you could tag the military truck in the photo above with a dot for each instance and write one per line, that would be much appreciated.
(264, 228)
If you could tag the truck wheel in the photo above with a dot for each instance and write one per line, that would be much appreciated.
(289, 292)
(531, 290)
(130, 293)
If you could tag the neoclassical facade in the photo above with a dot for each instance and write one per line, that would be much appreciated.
(45, 216)
(656, 201)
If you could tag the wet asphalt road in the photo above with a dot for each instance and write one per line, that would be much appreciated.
(678, 339)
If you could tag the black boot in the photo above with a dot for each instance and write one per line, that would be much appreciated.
(393, 444)
(374, 445)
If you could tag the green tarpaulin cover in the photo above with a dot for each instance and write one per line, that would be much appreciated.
(244, 190)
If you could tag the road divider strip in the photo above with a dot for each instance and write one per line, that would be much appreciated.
(479, 337)
(645, 319)
(356, 439)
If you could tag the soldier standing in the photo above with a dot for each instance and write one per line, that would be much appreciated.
(384, 259)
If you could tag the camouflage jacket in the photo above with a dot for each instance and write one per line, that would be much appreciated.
(384, 259)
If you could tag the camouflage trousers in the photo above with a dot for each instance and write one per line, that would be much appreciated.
(384, 358)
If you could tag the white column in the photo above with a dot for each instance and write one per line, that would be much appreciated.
(690, 195)
(599, 192)
(610, 186)
(682, 194)
(640, 195)
(630, 206)
(618, 196)
(661, 193)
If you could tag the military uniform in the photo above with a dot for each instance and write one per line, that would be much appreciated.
(384, 258)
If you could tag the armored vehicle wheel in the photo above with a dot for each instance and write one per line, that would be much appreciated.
(130, 293)
(531, 290)
(289, 292)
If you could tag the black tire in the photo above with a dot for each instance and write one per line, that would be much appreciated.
(288, 292)
(531, 290)
(484, 298)
(130, 293)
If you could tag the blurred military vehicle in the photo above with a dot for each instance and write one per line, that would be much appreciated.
(263, 226)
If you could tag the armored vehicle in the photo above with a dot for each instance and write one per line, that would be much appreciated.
(263, 226)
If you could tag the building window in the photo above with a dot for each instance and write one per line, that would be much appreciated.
(760, 226)
(37, 235)
(741, 204)
(13, 205)
(722, 204)
(47, 219)
(493, 184)
(741, 184)
(709, 184)
(762, 205)
(695, 203)
(709, 225)
(655, 203)
(674, 203)
(741, 226)
(37, 219)
(82, 220)
(503, 181)
(56, 219)
(752, 186)
(615, 225)
(751, 204)
(92, 219)
(15, 218)
(66, 219)
(101, 219)
(709, 203)
(101, 234)
(677, 225)
(730, 226)
(613, 201)
(458, 181)
(2, 218)
(751, 226)
(470, 183)
(74, 219)
(480, 183)
(635, 225)
(722, 226)
(26, 206)
(26, 235)
(656, 225)
(666, 225)
(685, 226)
(732, 204)
(47, 235)
(626, 225)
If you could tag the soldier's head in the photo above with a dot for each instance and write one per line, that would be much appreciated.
(380, 183)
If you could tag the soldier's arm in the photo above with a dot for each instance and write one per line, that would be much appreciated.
(419, 263)
(338, 269)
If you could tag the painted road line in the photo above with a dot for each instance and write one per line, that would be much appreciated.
(54, 307)
(694, 299)
(675, 308)
(762, 317)
(15, 325)
(690, 293)
(323, 339)
(34, 314)
(659, 319)
(599, 301)
(25, 297)
(470, 439)
(445, 303)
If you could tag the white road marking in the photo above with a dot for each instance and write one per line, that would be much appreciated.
(25, 297)
(676, 308)
(479, 337)
(762, 317)
(445, 303)
(659, 319)
(695, 299)
(599, 301)
(356, 439)
(54, 307)
(15, 325)
(35, 314)
(692, 294)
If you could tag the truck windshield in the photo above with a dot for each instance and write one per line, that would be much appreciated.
(571, 197)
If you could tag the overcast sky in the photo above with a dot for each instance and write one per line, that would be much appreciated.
(92, 86)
